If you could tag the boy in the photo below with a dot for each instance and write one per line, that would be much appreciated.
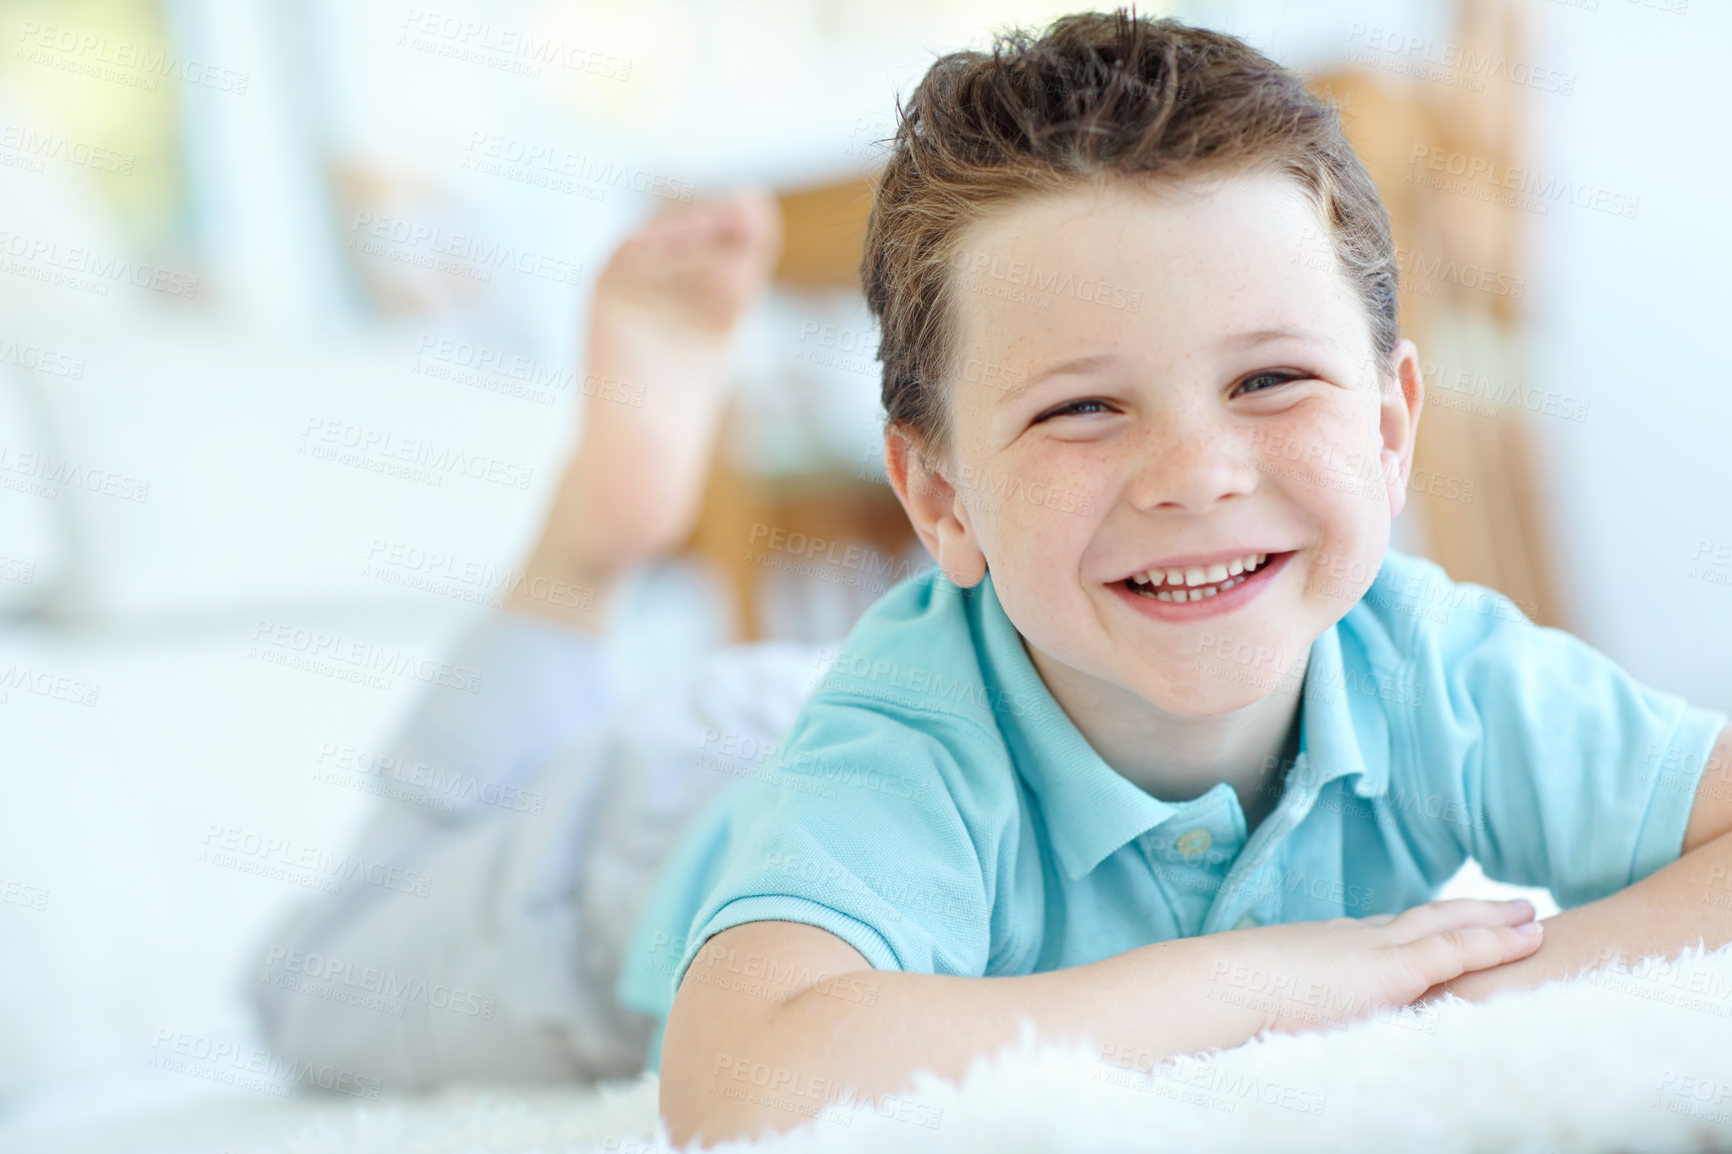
(1171, 678)
(1049, 783)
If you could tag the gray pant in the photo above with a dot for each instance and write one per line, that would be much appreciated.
(479, 929)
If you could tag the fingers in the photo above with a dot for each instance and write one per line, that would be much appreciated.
(1457, 913)
(1443, 956)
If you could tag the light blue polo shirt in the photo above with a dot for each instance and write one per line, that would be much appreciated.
(936, 809)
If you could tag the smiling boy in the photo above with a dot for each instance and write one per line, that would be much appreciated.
(1170, 712)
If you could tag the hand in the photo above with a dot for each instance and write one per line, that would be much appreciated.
(1318, 975)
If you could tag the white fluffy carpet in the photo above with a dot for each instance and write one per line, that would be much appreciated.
(1639, 1060)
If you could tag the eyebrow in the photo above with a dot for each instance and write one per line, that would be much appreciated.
(1235, 341)
(1075, 365)
(1248, 340)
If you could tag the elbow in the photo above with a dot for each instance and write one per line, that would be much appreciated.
(719, 1079)
(698, 1105)
(715, 1112)
(738, 1061)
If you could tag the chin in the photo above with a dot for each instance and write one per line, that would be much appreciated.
(1198, 695)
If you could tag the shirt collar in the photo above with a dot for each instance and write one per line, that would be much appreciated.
(1091, 809)
(1332, 738)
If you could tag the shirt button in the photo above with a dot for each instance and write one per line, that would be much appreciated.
(1247, 923)
(1194, 842)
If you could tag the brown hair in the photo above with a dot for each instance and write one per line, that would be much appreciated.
(1097, 95)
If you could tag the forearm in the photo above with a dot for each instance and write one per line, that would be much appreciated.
(1674, 907)
(862, 1035)
(1163, 996)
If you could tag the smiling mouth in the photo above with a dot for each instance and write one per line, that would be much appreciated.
(1198, 583)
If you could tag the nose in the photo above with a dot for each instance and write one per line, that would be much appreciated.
(1188, 462)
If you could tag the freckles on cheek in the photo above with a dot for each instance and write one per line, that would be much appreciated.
(1337, 452)
(1038, 541)
(1078, 489)
(1038, 550)
(1342, 567)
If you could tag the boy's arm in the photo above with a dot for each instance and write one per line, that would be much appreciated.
(737, 1061)
(776, 1022)
(1687, 900)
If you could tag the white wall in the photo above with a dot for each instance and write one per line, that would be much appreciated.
(1629, 314)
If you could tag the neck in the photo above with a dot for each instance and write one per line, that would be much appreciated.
(1177, 757)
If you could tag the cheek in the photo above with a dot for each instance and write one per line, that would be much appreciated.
(1038, 513)
(1042, 543)
(1327, 459)
(1345, 564)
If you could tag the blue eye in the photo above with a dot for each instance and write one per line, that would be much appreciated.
(1074, 408)
(1277, 378)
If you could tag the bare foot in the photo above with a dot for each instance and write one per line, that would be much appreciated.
(690, 273)
(665, 307)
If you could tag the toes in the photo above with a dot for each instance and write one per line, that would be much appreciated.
(754, 211)
(708, 258)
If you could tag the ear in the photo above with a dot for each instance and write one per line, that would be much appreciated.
(934, 508)
(1399, 422)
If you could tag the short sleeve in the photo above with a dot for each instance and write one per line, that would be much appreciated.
(865, 827)
(1563, 770)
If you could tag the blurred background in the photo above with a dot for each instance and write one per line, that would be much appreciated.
(253, 253)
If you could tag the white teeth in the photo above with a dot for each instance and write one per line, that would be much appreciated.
(1196, 594)
(1197, 581)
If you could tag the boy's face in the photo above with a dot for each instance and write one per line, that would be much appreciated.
(1165, 379)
